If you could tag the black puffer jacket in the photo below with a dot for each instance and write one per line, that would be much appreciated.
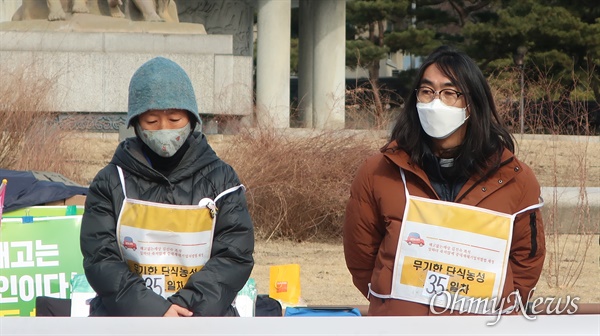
(200, 174)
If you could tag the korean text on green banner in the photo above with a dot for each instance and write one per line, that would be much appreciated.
(37, 259)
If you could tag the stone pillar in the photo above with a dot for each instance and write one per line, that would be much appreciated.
(329, 84)
(273, 63)
(306, 52)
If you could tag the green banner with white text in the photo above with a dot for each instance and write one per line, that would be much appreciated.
(37, 259)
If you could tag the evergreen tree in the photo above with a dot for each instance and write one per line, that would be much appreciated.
(561, 37)
(366, 45)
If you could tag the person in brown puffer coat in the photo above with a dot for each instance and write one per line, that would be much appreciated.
(450, 145)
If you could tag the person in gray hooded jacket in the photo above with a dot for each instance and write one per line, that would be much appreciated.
(166, 229)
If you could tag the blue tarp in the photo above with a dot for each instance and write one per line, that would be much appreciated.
(29, 188)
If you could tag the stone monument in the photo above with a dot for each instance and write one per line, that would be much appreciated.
(137, 10)
(91, 48)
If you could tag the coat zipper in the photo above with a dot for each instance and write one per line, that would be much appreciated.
(532, 224)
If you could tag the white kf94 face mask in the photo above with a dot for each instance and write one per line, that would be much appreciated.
(439, 120)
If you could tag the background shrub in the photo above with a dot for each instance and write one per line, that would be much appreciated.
(297, 182)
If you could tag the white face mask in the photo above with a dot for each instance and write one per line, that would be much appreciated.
(439, 120)
(165, 142)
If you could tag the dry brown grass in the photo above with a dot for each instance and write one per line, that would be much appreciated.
(574, 164)
(562, 161)
(559, 161)
(297, 184)
(547, 107)
(363, 113)
(30, 136)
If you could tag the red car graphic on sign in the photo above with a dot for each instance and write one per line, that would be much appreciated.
(415, 238)
(128, 243)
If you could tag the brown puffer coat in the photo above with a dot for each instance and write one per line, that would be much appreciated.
(376, 208)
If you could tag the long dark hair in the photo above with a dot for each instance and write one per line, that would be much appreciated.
(486, 136)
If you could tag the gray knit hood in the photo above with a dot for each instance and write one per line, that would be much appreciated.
(160, 84)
